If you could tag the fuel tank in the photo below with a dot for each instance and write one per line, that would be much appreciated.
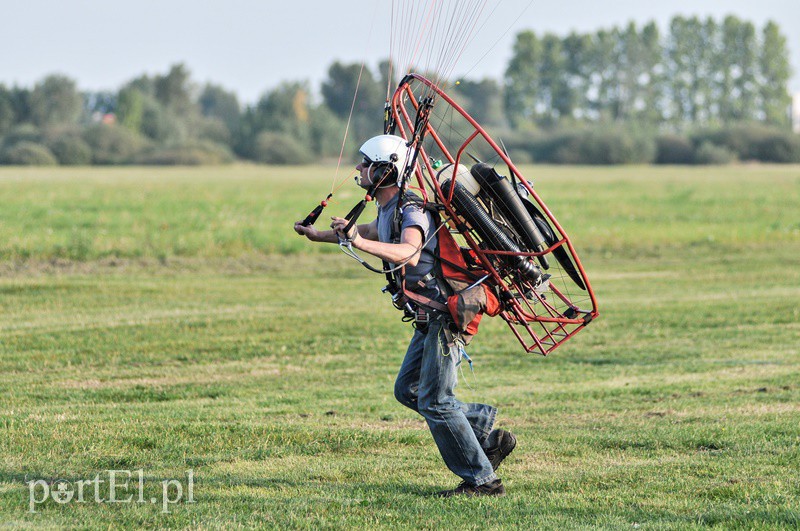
(467, 206)
(500, 190)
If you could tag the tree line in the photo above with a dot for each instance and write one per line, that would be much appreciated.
(706, 91)
(701, 72)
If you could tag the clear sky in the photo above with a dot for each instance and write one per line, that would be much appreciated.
(249, 46)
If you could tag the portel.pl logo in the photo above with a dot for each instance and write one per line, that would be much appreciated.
(112, 486)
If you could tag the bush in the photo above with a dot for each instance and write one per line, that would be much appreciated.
(708, 153)
(189, 154)
(113, 144)
(755, 142)
(595, 146)
(213, 130)
(71, 150)
(29, 154)
(520, 145)
(781, 147)
(160, 124)
(22, 133)
(278, 148)
(674, 149)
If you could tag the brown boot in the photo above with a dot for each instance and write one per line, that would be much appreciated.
(493, 488)
(500, 444)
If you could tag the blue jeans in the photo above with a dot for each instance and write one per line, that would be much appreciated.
(425, 384)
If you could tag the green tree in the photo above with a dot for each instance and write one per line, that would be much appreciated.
(708, 110)
(691, 50)
(130, 108)
(340, 86)
(554, 93)
(326, 131)
(338, 91)
(7, 116)
(216, 102)
(159, 108)
(163, 125)
(173, 90)
(604, 63)
(483, 100)
(144, 84)
(577, 71)
(746, 55)
(631, 71)
(285, 109)
(775, 74)
(522, 79)
(680, 46)
(55, 100)
(20, 104)
(653, 79)
(724, 65)
(737, 70)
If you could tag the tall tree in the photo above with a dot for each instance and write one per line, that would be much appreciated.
(340, 87)
(577, 71)
(130, 108)
(652, 75)
(775, 74)
(484, 100)
(738, 62)
(679, 66)
(339, 90)
(7, 117)
(55, 100)
(522, 79)
(554, 94)
(746, 55)
(706, 109)
(173, 90)
(285, 109)
(21, 102)
(216, 102)
(604, 61)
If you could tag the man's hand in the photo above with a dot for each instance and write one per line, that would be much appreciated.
(339, 224)
(309, 232)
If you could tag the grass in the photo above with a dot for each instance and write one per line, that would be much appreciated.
(168, 320)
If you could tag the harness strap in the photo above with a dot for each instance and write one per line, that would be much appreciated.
(422, 299)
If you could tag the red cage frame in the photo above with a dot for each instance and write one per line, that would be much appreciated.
(539, 332)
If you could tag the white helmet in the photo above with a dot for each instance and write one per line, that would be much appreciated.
(387, 149)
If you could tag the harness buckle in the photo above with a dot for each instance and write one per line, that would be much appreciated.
(421, 317)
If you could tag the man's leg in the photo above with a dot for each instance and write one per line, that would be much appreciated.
(407, 383)
(480, 416)
(454, 436)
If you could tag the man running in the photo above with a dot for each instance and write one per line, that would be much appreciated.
(463, 432)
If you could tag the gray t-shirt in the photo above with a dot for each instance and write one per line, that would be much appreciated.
(413, 215)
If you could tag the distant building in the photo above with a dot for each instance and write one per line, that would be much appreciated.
(796, 113)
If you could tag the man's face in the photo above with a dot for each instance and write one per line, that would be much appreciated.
(369, 172)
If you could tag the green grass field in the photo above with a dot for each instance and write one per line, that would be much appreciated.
(169, 319)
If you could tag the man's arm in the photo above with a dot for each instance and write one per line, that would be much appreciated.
(406, 252)
(368, 231)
